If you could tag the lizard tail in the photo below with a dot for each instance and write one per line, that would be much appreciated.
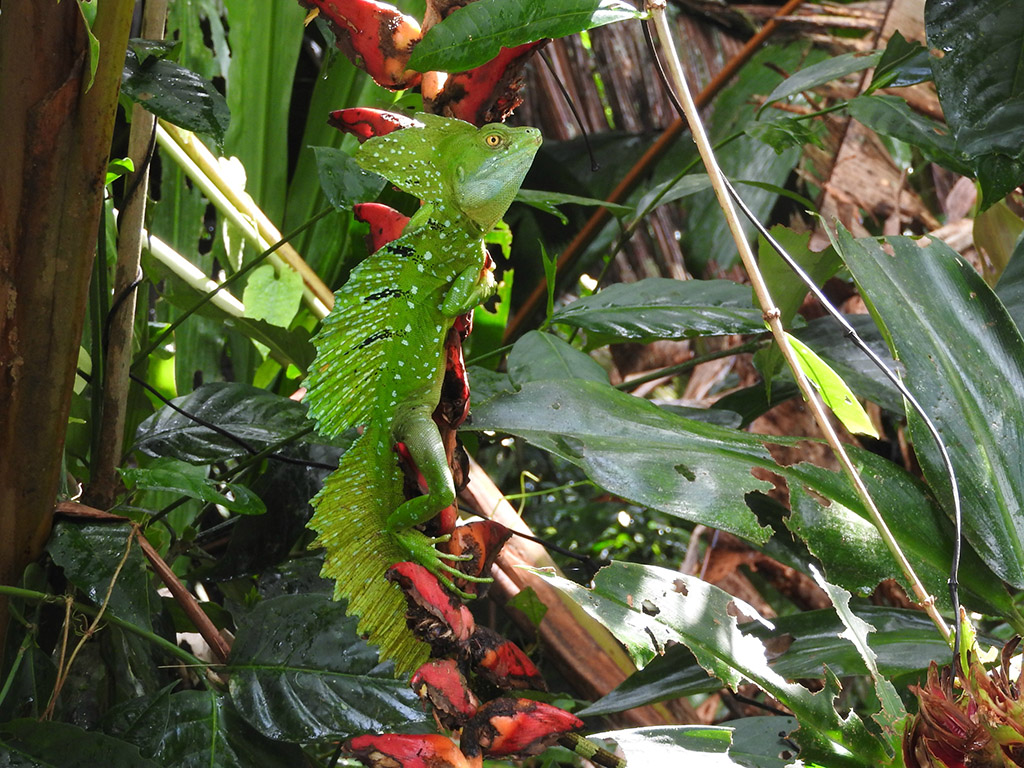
(349, 518)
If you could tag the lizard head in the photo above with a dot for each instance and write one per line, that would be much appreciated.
(454, 164)
(487, 168)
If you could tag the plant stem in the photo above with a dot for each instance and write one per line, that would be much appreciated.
(120, 324)
(672, 370)
(202, 167)
(166, 645)
(142, 355)
(771, 312)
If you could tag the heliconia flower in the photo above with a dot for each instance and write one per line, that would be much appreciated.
(516, 728)
(365, 122)
(434, 614)
(395, 750)
(386, 224)
(502, 663)
(441, 683)
(377, 37)
(980, 725)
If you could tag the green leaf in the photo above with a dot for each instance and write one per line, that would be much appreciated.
(546, 201)
(672, 190)
(645, 607)
(857, 631)
(241, 500)
(89, 555)
(489, 327)
(840, 534)
(1010, 287)
(529, 604)
(474, 34)
(196, 729)
(811, 77)
(343, 182)
(760, 742)
(273, 296)
(88, 10)
(903, 63)
(255, 416)
(784, 133)
(833, 390)
(265, 48)
(118, 167)
(30, 743)
(964, 359)
(176, 94)
(979, 73)
(788, 293)
(633, 449)
(891, 116)
(302, 648)
(825, 337)
(671, 744)
(539, 356)
(905, 642)
(661, 308)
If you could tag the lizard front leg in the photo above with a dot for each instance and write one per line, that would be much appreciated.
(420, 435)
(471, 288)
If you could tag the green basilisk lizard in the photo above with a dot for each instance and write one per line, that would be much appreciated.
(380, 360)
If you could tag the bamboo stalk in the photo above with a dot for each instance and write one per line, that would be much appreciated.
(120, 325)
(771, 312)
(202, 167)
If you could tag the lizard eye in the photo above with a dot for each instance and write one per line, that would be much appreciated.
(493, 140)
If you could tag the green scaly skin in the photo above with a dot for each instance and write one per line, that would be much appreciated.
(380, 360)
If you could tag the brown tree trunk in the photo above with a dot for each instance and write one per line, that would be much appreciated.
(53, 158)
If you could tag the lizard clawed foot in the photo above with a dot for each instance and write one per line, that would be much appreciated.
(420, 549)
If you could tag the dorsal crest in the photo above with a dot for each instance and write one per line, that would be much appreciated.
(408, 157)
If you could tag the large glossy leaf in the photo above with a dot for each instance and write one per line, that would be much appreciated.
(255, 416)
(475, 33)
(646, 607)
(196, 729)
(30, 743)
(538, 356)
(89, 555)
(822, 72)
(892, 116)
(300, 672)
(964, 359)
(1010, 288)
(857, 632)
(674, 744)
(175, 93)
(839, 533)
(660, 308)
(343, 182)
(979, 72)
(631, 448)
(905, 642)
(168, 478)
